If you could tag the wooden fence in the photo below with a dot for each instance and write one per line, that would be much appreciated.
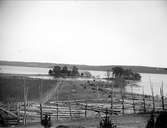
(125, 103)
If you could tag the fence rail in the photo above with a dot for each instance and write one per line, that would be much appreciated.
(124, 103)
(81, 108)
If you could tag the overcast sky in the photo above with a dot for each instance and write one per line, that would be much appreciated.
(127, 32)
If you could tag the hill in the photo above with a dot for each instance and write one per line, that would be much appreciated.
(140, 69)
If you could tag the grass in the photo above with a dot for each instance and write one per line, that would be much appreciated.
(12, 89)
(74, 90)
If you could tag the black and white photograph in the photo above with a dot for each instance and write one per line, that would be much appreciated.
(83, 63)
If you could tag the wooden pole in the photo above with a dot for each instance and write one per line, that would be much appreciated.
(152, 91)
(57, 111)
(57, 103)
(162, 96)
(70, 110)
(25, 101)
(41, 113)
(134, 110)
(18, 111)
(40, 93)
(111, 101)
(112, 91)
(144, 102)
(122, 96)
(86, 110)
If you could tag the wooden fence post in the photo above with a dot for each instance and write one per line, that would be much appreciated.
(70, 110)
(162, 96)
(123, 107)
(152, 91)
(57, 111)
(40, 95)
(18, 111)
(25, 101)
(41, 113)
(134, 110)
(112, 97)
(86, 110)
(144, 102)
(122, 96)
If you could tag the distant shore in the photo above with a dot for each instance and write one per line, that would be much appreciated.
(140, 69)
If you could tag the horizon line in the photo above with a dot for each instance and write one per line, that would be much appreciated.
(82, 64)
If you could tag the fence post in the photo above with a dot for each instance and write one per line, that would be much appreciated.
(41, 113)
(122, 96)
(122, 102)
(123, 107)
(153, 101)
(86, 110)
(40, 95)
(18, 111)
(112, 97)
(134, 110)
(144, 102)
(70, 109)
(25, 101)
(162, 96)
(57, 111)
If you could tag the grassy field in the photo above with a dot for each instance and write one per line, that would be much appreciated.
(12, 89)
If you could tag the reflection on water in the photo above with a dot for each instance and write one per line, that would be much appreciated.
(22, 70)
(147, 78)
(156, 80)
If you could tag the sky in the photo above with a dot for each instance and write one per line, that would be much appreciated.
(102, 32)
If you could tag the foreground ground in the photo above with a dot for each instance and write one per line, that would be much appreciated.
(122, 121)
(68, 90)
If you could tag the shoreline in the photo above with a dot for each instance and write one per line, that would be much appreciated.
(139, 69)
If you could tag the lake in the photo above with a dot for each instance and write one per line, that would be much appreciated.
(147, 78)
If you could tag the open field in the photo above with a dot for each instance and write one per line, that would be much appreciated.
(12, 88)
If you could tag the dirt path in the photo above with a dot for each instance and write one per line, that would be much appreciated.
(51, 93)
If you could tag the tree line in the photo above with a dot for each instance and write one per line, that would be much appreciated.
(57, 71)
(127, 74)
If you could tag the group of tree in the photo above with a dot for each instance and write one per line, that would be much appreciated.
(127, 74)
(86, 74)
(57, 71)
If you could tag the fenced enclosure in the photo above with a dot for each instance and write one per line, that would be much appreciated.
(76, 109)
(117, 103)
